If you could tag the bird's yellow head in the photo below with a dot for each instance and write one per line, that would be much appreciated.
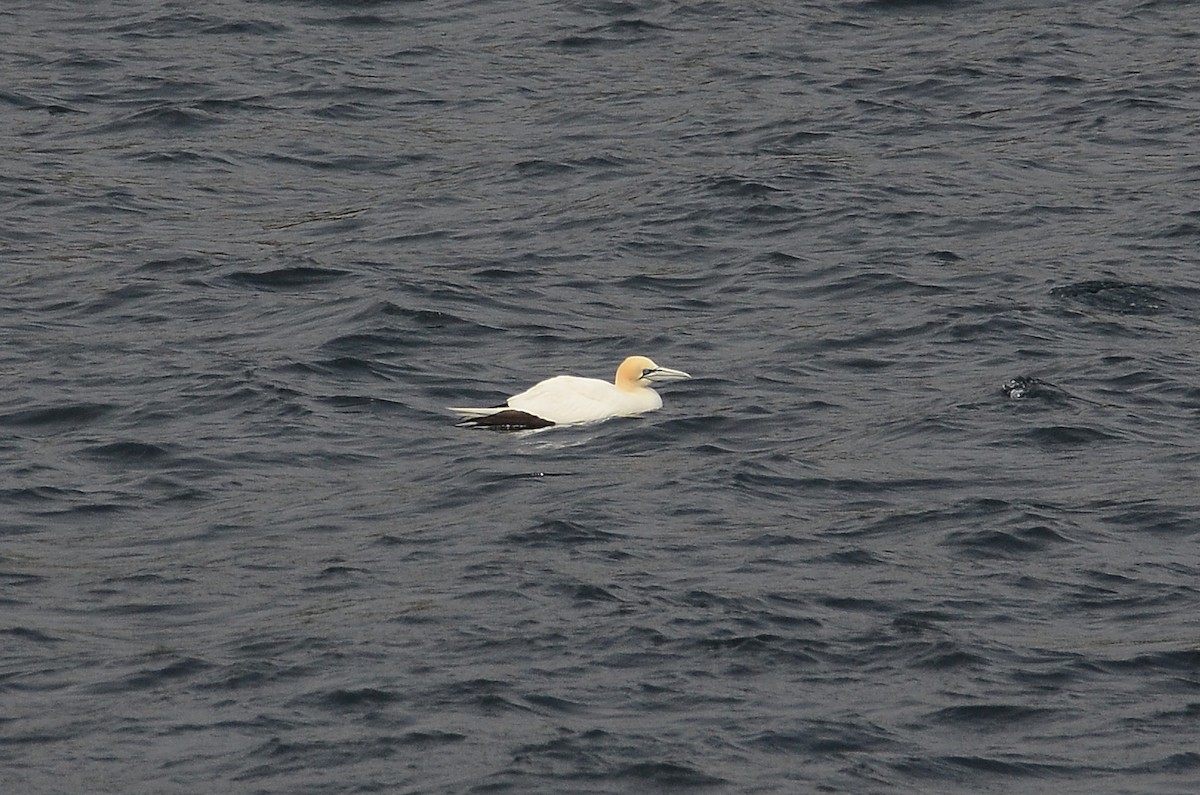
(638, 372)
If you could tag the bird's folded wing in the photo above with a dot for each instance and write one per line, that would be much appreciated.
(568, 398)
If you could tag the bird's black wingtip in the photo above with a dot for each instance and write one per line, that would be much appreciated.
(509, 420)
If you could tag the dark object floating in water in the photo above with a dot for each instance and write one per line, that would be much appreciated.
(1025, 386)
(1122, 298)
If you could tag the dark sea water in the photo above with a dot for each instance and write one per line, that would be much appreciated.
(926, 520)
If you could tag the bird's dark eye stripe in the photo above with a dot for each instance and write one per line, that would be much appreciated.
(647, 371)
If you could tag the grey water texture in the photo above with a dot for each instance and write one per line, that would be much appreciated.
(924, 520)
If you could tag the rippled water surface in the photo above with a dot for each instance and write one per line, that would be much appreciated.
(925, 520)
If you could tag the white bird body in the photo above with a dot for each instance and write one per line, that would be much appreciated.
(571, 400)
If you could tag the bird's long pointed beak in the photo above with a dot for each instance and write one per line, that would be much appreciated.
(663, 374)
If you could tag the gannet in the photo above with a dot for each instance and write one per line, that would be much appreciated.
(570, 400)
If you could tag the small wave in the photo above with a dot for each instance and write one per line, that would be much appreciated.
(130, 452)
(1122, 298)
(163, 118)
(245, 27)
(985, 716)
(31, 635)
(25, 102)
(559, 532)
(825, 737)
(955, 767)
(669, 774)
(1069, 436)
(1184, 762)
(360, 21)
(358, 698)
(72, 414)
(1004, 543)
(555, 705)
(542, 168)
(287, 278)
(155, 677)
(905, 5)
(615, 34)
(741, 187)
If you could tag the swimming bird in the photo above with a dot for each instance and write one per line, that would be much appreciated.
(570, 400)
